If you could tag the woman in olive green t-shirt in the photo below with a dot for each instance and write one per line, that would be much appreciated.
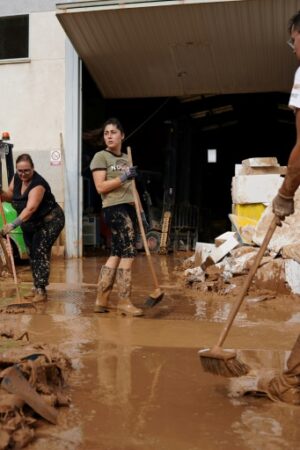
(112, 175)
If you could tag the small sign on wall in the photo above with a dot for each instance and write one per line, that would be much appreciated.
(55, 157)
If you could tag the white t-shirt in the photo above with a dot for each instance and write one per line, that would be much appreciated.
(294, 102)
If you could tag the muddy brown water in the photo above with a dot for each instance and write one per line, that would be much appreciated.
(138, 384)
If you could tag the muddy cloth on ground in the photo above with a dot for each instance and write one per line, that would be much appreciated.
(46, 369)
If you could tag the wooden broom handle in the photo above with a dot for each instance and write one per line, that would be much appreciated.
(141, 226)
(248, 280)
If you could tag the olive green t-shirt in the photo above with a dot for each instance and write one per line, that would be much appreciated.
(114, 166)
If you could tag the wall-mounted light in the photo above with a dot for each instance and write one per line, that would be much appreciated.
(211, 155)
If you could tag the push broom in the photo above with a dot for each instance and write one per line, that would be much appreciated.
(157, 295)
(222, 362)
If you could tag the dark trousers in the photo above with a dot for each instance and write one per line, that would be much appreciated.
(122, 221)
(39, 243)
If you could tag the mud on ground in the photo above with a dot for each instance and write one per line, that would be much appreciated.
(137, 383)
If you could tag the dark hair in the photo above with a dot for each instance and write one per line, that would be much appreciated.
(95, 137)
(113, 121)
(294, 22)
(24, 157)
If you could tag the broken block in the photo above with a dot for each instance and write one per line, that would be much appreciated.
(224, 237)
(245, 170)
(292, 275)
(261, 162)
(255, 188)
(202, 250)
(218, 253)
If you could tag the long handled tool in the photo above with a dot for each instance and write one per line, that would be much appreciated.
(157, 295)
(225, 363)
(21, 303)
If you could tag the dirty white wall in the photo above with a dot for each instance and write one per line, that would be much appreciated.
(33, 97)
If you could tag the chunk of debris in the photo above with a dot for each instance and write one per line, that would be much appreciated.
(291, 251)
(261, 161)
(202, 250)
(292, 275)
(255, 188)
(218, 253)
(241, 265)
(34, 375)
(195, 274)
(271, 276)
(224, 237)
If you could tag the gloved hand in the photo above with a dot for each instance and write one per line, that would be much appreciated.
(283, 206)
(7, 229)
(145, 223)
(129, 173)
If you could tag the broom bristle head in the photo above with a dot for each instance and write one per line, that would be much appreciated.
(222, 363)
(154, 298)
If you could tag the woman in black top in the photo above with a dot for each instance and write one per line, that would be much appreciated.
(39, 216)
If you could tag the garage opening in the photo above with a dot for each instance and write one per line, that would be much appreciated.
(186, 149)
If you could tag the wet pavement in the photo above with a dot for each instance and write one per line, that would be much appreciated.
(138, 384)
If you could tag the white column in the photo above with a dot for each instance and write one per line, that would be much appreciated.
(72, 154)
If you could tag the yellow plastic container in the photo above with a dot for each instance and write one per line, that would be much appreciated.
(252, 211)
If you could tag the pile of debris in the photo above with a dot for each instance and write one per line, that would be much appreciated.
(215, 266)
(33, 385)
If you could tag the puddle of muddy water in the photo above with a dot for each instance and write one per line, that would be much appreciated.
(138, 383)
(127, 398)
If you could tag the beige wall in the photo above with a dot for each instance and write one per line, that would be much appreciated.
(32, 96)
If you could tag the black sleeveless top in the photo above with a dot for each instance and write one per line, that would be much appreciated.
(19, 201)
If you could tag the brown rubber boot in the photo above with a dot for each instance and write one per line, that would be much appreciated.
(293, 363)
(40, 295)
(105, 285)
(124, 289)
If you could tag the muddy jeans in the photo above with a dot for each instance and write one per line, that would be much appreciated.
(122, 221)
(39, 242)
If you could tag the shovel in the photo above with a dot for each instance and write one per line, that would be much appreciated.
(15, 383)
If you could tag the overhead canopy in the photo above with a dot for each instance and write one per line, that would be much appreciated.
(182, 48)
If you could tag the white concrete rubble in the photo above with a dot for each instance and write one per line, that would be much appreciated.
(202, 250)
(224, 237)
(218, 253)
(246, 189)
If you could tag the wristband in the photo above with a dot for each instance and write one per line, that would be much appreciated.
(17, 222)
(285, 197)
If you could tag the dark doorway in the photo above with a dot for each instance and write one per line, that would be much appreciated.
(170, 139)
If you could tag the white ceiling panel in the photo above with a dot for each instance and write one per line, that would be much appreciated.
(181, 48)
